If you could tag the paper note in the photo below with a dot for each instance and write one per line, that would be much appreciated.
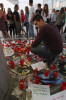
(39, 92)
(59, 96)
(39, 65)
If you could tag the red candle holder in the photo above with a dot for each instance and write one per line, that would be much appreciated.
(34, 73)
(24, 51)
(2, 44)
(21, 84)
(9, 42)
(37, 79)
(28, 51)
(55, 74)
(53, 67)
(29, 59)
(3, 41)
(7, 45)
(13, 45)
(21, 62)
(12, 64)
(21, 49)
(32, 41)
(62, 58)
(63, 86)
(46, 72)
(40, 58)
(35, 56)
(15, 41)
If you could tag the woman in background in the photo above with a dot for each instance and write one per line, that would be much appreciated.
(2, 24)
(45, 14)
(22, 18)
(27, 19)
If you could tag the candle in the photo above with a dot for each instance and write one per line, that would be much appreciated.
(29, 59)
(12, 64)
(9, 42)
(40, 58)
(13, 45)
(2, 44)
(63, 86)
(21, 62)
(34, 73)
(21, 84)
(37, 78)
(46, 73)
(53, 67)
(28, 51)
(62, 58)
(55, 74)
(35, 56)
(15, 41)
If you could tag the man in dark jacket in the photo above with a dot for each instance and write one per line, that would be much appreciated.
(50, 36)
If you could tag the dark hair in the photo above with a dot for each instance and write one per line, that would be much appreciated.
(45, 10)
(37, 18)
(62, 10)
(39, 4)
(16, 5)
(31, 1)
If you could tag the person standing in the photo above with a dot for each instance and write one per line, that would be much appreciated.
(53, 16)
(11, 23)
(27, 20)
(22, 18)
(39, 9)
(17, 20)
(2, 24)
(45, 14)
(31, 14)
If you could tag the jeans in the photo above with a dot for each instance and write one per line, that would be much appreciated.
(27, 28)
(45, 53)
(31, 29)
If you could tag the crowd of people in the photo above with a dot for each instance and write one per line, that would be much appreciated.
(48, 27)
(15, 22)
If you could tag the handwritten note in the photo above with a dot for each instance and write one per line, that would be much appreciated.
(39, 65)
(39, 92)
(59, 96)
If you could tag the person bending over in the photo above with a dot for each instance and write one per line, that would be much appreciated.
(51, 38)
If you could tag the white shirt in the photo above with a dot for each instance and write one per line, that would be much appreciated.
(31, 11)
(45, 17)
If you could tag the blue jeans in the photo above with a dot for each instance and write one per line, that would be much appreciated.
(31, 29)
(27, 28)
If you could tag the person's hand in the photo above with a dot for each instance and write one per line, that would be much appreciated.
(28, 46)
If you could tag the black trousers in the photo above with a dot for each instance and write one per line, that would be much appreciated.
(44, 52)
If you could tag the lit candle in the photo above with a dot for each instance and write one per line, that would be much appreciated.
(28, 51)
(21, 84)
(55, 74)
(12, 64)
(53, 67)
(29, 59)
(35, 56)
(34, 73)
(21, 62)
(46, 73)
(37, 79)
(63, 86)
